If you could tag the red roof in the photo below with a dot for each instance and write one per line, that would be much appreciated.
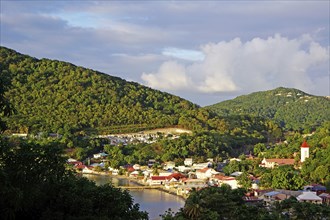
(177, 176)
(203, 170)
(80, 166)
(130, 169)
(158, 177)
(305, 145)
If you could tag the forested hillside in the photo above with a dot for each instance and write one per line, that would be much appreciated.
(291, 108)
(50, 95)
(55, 96)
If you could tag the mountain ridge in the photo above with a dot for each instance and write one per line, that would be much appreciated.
(290, 107)
(57, 96)
(54, 96)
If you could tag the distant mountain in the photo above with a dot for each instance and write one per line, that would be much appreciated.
(292, 108)
(55, 96)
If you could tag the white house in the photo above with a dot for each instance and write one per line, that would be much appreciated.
(169, 165)
(157, 180)
(218, 180)
(188, 162)
(198, 166)
(205, 173)
(164, 173)
(184, 169)
(271, 163)
(136, 166)
(310, 197)
(100, 155)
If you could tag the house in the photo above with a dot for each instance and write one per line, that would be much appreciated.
(173, 180)
(198, 166)
(218, 180)
(271, 163)
(164, 173)
(188, 184)
(136, 166)
(169, 165)
(252, 200)
(157, 180)
(188, 162)
(270, 197)
(184, 169)
(236, 174)
(205, 173)
(319, 189)
(100, 155)
(134, 174)
(325, 198)
(310, 197)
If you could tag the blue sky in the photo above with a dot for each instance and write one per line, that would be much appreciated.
(204, 51)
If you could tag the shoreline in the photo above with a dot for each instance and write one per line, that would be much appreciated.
(135, 181)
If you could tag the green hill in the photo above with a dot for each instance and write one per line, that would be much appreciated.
(54, 96)
(291, 108)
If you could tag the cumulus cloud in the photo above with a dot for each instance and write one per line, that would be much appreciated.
(170, 75)
(236, 66)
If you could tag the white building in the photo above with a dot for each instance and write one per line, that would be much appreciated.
(188, 162)
(304, 151)
(205, 173)
(310, 197)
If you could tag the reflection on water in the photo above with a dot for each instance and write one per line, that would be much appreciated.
(156, 202)
(153, 201)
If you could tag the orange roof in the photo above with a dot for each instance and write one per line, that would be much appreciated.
(281, 161)
(203, 170)
(158, 178)
(176, 176)
(305, 145)
(221, 177)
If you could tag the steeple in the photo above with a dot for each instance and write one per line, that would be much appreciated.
(304, 151)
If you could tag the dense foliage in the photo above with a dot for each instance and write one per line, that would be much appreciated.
(223, 203)
(58, 97)
(55, 96)
(315, 169)
(291, 108)
(5, 107)
(35, 185)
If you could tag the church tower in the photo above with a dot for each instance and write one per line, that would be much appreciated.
(304, 151)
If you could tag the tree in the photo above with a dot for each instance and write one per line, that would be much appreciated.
(244, 180)
(5, 108)
(36, 185)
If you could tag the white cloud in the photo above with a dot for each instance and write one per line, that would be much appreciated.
(235, 66)
(170, 76)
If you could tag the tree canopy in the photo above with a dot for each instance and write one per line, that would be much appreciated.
(291, 108)
(35, 184)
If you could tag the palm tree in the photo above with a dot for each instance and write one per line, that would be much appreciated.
(193, 208)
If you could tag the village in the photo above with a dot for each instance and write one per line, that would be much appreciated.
(182, 179)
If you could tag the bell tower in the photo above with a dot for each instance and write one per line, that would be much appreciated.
(304, 151)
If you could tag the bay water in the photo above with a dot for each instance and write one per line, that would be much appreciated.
(153, 201)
